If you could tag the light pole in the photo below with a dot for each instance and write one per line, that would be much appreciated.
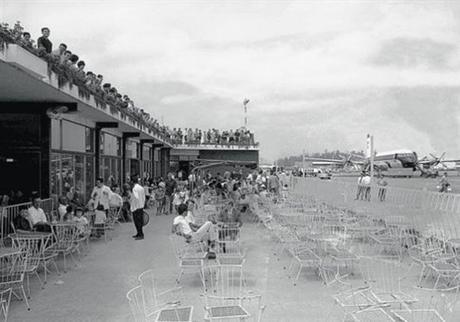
(245, 106)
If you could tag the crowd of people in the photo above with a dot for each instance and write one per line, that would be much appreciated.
(241, 136)
(72, 69)
(13, 198)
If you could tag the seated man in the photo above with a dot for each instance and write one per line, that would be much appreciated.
(22, 220)
(207, 232)
(190, 217)
(37, 217)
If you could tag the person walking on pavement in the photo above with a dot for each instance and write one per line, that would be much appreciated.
(137, 208)
(171, 186)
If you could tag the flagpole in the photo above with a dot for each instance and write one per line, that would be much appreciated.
(245, 107)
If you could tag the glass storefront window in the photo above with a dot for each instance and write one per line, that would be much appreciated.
(132, 150)
(89, 175)
(68, 174)
(56, 134)
(73, 137)
(55, 174)
(110, 170)
(134, 167)
(110, 145)
(72, 176)
(79, 163)
(106, 173)
(118, 143)
(115, 171)
(89, 139)
(146, 153)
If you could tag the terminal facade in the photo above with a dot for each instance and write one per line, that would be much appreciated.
(54, 138)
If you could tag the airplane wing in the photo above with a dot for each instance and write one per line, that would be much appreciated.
(425, 162)
(323, 163)
(324, 160)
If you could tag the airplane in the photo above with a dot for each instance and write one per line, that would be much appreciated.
(431, 167)
(345, 162)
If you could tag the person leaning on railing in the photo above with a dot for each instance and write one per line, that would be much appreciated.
(64, 63)
(43, 42)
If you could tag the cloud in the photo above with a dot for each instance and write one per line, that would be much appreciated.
(412, 53)
(319, 74)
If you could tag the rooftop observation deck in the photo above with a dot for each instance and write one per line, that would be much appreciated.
(26, 77)
(213, 146)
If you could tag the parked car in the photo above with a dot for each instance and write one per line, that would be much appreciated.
(325, 176)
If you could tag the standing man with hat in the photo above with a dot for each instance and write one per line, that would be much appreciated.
(137, 208)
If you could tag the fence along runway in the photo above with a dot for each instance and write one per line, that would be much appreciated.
(422, 210)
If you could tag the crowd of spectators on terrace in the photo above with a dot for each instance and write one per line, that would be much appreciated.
(70, 68)
(189, 136)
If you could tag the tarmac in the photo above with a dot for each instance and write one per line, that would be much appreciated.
(95, 289)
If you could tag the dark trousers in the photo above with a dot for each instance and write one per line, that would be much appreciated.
(138, 217)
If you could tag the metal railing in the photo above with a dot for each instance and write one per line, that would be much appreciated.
(423, 210)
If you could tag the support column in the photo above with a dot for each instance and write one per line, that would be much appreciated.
(44, 182)
(164, 161)
(142, 142)
(156, 168)
(124, 139)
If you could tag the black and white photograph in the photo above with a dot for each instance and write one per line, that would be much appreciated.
(230, 160)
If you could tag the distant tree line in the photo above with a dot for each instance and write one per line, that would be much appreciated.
(291, 160)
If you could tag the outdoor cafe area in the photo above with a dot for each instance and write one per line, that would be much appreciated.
(307, 258)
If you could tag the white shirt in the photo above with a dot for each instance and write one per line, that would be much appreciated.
(137, 197)
(101, 196)
(115, 200)
(62, 210)
(36, 215)
(184, 227)
(366, 180)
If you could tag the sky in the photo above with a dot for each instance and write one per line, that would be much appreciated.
(319, 74)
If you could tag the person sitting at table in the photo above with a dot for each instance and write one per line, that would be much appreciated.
(62, 208)
(68, 216)
(207, 232)
(190, 217)
(37, 217)
(81, 221)
(22, 221)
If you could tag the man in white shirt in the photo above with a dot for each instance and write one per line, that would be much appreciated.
(207, 232)
(366, 183)
(137, 208)
(101, 195)
(36, 214)
(190, 218)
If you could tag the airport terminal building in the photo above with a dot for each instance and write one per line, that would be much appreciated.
(56, 137)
